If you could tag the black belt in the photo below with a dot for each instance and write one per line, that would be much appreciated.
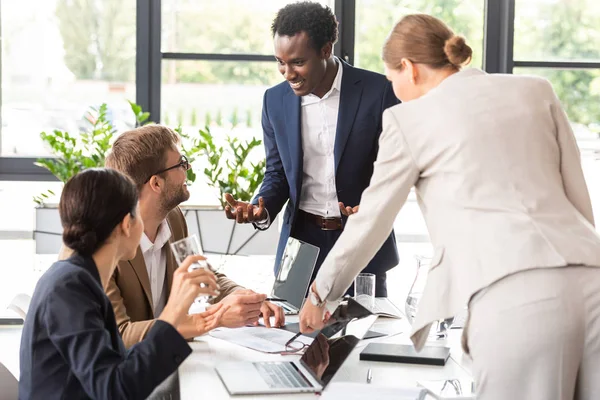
(325, 223)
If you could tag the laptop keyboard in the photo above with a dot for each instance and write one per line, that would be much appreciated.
(281, 375)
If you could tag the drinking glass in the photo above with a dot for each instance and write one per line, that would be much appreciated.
(190, 246)
(364, 290)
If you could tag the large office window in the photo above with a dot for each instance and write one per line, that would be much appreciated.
(375, 19)
(60, 57)
(199, 62)
(195, 94)
(557, 30)
(218, 27)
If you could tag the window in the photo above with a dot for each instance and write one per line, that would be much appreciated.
(557, 30)
(219, 27)
(60, 57)
(211, 86)
(376, 18)
(199, 93)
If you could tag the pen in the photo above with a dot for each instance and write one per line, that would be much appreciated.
(369, 375)
(275, 299)
(293, 338)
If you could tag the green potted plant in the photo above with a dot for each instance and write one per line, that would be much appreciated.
(73, 153)
(227, 168)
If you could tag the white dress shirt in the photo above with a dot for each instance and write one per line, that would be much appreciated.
(156, 264)
(319, 125)
(318, 128)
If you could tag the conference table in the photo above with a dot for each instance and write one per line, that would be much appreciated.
(197, 378)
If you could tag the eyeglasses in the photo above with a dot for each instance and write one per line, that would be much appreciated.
(294, 346)
(184, 163)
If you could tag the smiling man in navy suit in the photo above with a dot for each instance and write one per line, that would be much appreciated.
(321, 130)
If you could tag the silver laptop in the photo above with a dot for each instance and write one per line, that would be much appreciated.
(320, 362)
(295, 270)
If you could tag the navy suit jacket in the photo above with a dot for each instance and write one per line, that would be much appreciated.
(364, 95)
(71, 348)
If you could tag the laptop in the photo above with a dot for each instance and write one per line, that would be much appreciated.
(295, 271)
(317, 366)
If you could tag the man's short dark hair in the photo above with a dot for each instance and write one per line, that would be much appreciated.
(315, 19)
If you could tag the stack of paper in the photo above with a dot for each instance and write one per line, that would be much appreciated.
(266, 340)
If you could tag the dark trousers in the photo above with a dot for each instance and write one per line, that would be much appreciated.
(309, 232)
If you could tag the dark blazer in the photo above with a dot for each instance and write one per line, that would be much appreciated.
(364, 95)
(71, 348)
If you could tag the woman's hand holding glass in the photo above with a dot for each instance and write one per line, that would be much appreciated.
(187, 285)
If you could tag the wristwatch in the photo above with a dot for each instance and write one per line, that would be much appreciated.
(315, 299)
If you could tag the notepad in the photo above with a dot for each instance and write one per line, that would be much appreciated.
(361, 391)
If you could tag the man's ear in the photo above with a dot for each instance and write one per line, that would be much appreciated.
(326, 50)
(155, 184)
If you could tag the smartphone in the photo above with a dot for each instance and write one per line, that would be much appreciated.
(455, 389)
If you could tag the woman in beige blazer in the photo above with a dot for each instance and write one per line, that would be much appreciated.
(498, 178)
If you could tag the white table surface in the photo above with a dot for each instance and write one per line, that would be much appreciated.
(198, 379)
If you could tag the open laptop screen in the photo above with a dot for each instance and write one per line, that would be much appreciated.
(295, 270)
(334, 343)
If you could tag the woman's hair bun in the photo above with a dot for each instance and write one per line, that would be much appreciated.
(457, 51)
(81, 239)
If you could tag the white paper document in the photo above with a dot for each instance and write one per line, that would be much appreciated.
(361, 391)
(381, 306)
(266, 340)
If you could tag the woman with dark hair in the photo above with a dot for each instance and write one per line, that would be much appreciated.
(70, 347)
(498, 177)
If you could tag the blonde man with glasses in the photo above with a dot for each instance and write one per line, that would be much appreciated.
(150, 156)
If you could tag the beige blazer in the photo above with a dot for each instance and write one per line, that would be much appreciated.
(498, 178)
(129, 287)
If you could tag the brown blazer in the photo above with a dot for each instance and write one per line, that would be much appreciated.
(129, 287)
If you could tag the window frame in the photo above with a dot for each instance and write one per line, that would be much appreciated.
(499, 18)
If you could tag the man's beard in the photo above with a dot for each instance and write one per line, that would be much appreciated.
(173, 197)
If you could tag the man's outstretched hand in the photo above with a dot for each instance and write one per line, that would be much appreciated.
(243, 212)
